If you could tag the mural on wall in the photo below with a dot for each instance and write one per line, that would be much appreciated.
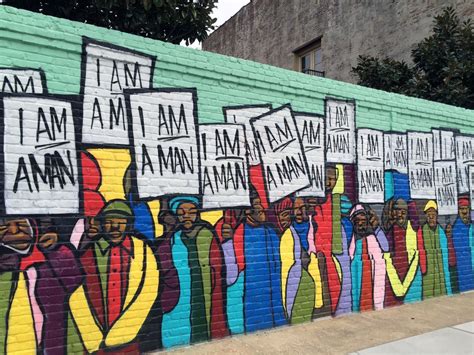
(129, 226)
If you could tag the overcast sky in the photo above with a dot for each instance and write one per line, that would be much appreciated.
(225, 10)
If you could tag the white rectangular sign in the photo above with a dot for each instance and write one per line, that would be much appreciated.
(446, 187)
(340, 131)
(444, 147)
(311, 131)
(285, 169)
(40, 160)
(471, 185)
(464, 158)
(396, 152)
(25, 81)
(242, 115)
(224, 166)
(420, 165)
(107, 72)
(165, 142)
(370, 166)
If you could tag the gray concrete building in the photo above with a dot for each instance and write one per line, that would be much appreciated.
(325, 37)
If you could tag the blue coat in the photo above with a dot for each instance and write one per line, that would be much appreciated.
(263, 305)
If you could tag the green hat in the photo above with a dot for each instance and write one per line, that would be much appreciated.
(116, 209)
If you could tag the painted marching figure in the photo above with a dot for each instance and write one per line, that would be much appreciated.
(199, 313)
(263, 305)
(463, 240)
(436, 277)
(328, 239)
(36, 273)
(298, 286)
(368, 244)
(406, 259)
(121, 284)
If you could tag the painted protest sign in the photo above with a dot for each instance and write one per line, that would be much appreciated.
(446, 187)
(242, 115)
(340, 131)
(281, 153)
(40, 161)
(420, 165)
(164, 141)
(370, 165)
(224, 166)
(106, 72)
(311, 131)
(22, 81)
(396, 152)
(444, 147)
(471, 185)
(464, 158)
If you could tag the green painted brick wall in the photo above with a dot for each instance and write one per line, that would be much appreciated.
(33, 40)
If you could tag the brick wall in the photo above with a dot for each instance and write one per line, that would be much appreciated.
(268, 31)
(155, 196)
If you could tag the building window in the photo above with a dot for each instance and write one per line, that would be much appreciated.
(310, 58)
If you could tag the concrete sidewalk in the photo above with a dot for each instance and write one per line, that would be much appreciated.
(354, 332)
(458, 339)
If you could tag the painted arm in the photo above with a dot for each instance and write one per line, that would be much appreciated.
(382, 239)
(126, 328)
(273, 248)
(378, 270)
(203, 243)
(443, 241)
(399, 287)
(287, 260)
(344, 304)
(421, 250)
(66, 267)
(230, 258)
(89, 330)
(169, 276)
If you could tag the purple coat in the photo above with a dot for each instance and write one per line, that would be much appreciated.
(58, 277)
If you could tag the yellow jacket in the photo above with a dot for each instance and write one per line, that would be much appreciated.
(142, 291)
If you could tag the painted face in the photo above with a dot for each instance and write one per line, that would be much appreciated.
(115, 229)
(432, 218)
(464, 214)
(256, 214)
(187, 214)
(167, 219)
(299, 211)
(331, 178)
(16, 235)
(284, 218)
(401, 216)
(311, 203)
(361, 224)
(92, 227)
